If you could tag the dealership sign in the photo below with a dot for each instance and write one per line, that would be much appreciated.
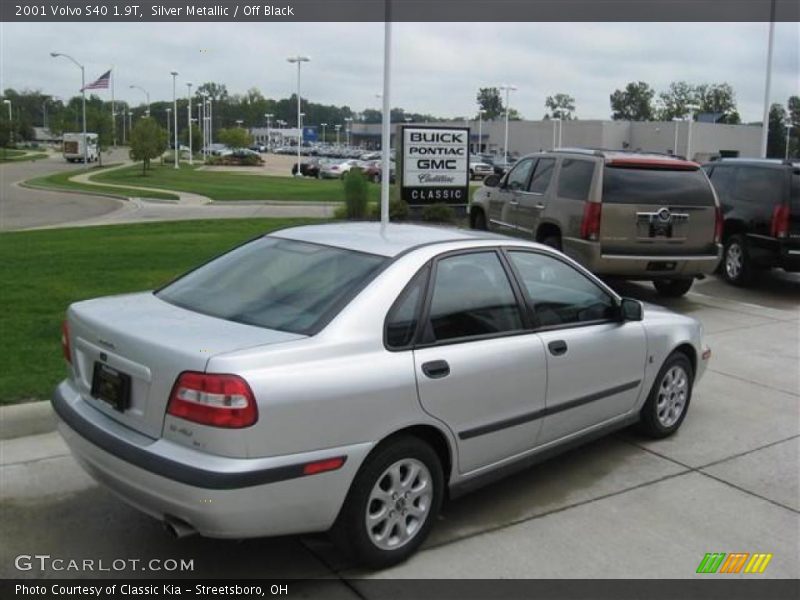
(435, 165)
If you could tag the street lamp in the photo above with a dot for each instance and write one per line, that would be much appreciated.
(507, 88)
(323, 125)
(299, 60)
(83, 100)
(337, 127)
(175, 115)
(692, 109)
(481, 112)
(169, 112)
(269, 133)
(201, 121)
(788, 131)
(239, 123)
(10, 126)
(189, 117)
(146, 94)
(558, 120)
(676, 120)
(348, 128)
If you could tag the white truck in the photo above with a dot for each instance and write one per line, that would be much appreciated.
(73, 146)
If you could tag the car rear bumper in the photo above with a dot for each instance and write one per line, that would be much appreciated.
(654, 266)
(772, 252)
(217, 496)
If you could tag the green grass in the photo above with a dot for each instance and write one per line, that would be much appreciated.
(8, 155)
(60, 181)
(232, 186)
(45, 271)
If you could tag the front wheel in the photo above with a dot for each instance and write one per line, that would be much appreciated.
(668, 402)
(392, 504)
(672, 288)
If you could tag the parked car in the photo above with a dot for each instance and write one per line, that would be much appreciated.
(478, 168)
(338, 169)
(237, 406)
(760, 201)
(620, 214)
(261, 148)
(309, 167)
(373, 170)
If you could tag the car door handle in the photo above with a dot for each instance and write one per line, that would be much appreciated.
(539, 205)
(557, 347)
(513, 202)
(436, 369)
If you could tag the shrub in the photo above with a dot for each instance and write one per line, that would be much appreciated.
(355, 194)
(438, 213)
(398, 209)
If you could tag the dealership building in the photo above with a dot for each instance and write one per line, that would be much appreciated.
(707, 139)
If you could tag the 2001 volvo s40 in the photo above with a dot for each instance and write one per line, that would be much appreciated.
(340, 377)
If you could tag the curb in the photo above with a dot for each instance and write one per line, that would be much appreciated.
(31, 418)
(26, 185)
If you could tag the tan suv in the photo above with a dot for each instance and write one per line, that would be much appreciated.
(620, 214)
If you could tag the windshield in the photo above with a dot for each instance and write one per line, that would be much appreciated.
(279, 284)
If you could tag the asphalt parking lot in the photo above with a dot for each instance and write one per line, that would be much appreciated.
(621, 507)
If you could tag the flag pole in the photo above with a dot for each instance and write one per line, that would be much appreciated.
(113, 111)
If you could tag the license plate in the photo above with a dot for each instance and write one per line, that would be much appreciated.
(111, 386)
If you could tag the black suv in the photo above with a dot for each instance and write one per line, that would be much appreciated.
(760, 202)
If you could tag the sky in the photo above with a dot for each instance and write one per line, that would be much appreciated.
(437, 68)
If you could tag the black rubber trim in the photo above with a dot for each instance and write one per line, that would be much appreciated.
(170, 469)
(543, 412)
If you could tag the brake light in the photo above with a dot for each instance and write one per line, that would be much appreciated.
(213, 399)
(590, 225)
(779, 227)
(65, 347)
(718, 225)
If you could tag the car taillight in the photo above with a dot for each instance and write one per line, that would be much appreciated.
(65, 347)
(213, 399)
(779, 227)
(718, 225)
(590, 225)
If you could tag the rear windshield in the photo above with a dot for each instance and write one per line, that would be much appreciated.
(279, 284)
(623, 185)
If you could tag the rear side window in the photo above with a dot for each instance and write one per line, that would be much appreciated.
(575, 179)
(401, 323)
(760, 185)
(723, 180)
(657, 187)
(471, 297)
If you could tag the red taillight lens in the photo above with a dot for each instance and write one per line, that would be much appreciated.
(213, 399)
(718, 226)
(779, 227)
(590, 226)
(322, 466)
(65, 347)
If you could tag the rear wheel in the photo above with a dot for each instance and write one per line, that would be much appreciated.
(478, 220)
(736, 265)
(666, 406)
(672, 288)
(392, 504)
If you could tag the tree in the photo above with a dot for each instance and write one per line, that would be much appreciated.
(718, 98)
(148, 141)
(561, 107)
(235, 137)
(794, 121)
(776, 136)
(634, 103)
(489, 100)
(676, 100)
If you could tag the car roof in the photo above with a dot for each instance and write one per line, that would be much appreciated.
(370, 238)
(754, 162)
(632, 159)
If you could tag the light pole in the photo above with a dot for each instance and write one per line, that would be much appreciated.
(676, 120)
(83, 100)
(786, 152)
(175, 115)
(146, 94)
(7, 102)
(189, 117)
(299, 60)
(269, 132)
(338, 128)
(768, 81)
(201, 122)
(556, 144)
(692, 108)
(507, 88)
(169, 113)
(348, 128)
(323, 125)
(481, 112)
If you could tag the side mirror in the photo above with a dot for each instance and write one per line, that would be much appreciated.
(491, 181)
(630, 310)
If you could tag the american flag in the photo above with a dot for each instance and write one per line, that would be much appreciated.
(101, 83)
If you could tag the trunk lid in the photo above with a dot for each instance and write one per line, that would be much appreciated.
(657, 208)
(152, 342)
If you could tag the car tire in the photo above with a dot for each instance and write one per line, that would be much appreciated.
(736, 265)
(672, 288)
(379, 483)
(478, 221)
(668, 402)
(553, 241)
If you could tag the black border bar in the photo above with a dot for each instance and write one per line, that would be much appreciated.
(514, 11)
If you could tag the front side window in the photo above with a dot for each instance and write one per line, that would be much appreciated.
(560, 294)
(275, 283)
(472, 296)
(542, 175)
(575, 179)
(519, 175)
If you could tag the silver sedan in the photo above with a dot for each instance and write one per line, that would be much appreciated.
(347, 378)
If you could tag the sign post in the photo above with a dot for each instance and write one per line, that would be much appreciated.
(435, 165)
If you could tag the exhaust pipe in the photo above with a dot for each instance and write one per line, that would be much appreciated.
(178, 528)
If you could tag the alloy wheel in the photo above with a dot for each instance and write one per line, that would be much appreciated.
(672, 394)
